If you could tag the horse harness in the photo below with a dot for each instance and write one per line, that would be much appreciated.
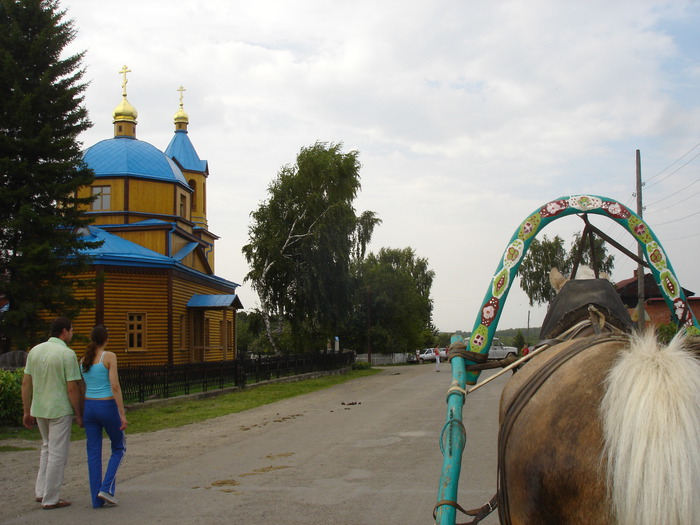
(604, 332)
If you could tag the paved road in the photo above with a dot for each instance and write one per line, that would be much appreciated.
(365, 452)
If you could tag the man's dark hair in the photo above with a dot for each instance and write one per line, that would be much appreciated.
(59, 324)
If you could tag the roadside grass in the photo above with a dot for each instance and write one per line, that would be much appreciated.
(180, 413)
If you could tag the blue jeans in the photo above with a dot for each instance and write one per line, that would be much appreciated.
(103, 414)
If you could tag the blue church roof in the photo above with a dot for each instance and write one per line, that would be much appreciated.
(116, 251)
(214, 301)
(114, 247)
(127, 156)
(182, 150)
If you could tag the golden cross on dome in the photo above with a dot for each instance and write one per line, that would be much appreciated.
(181, 90)
(123, 71)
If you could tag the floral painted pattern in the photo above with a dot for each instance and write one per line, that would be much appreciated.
(487, 321)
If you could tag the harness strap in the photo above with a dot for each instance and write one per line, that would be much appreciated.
(478, 514)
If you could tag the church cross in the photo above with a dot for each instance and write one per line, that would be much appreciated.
(181, 90)
(123, 71)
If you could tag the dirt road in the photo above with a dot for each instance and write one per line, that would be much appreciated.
(364, 452)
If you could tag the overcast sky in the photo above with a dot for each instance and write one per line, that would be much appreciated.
(468, 116)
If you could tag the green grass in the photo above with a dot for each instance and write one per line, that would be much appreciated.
(9, 448)
(179, 413)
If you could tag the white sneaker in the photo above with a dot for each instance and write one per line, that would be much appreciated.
(107, 497)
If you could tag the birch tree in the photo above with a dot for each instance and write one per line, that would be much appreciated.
(301, 243)
(550, 253)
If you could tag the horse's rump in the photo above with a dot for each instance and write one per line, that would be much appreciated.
(636, 410)
(549, 461)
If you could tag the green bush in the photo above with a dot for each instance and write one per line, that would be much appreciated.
(11, 396)
(361, 365)
(665, 332)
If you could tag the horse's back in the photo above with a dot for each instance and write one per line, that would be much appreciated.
(550, 444)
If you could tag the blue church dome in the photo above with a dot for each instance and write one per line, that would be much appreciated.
(126, 156)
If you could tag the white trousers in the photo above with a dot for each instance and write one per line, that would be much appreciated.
(55, 443)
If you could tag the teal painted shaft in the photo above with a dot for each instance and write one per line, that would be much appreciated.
(453, 440)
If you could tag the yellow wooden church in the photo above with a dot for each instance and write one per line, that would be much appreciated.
(157, 292)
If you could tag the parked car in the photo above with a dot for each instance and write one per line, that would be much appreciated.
(499, 351)
(429, 355)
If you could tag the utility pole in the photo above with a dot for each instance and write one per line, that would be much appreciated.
(369, 325)
(528, 328)
(640, 251)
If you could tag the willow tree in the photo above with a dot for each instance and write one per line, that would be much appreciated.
(301, 243)
(41, 167)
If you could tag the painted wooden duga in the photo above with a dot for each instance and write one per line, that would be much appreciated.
(453, 437)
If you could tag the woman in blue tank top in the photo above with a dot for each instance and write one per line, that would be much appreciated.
(104, 410)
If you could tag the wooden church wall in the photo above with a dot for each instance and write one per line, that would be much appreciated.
(85, 322)
(183, 290)
(147, 239)
(141, 293)
(149, 196)
(145, 291)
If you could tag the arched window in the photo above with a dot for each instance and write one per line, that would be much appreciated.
(193, 203)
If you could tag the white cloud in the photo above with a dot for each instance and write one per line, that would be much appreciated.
(467, 115)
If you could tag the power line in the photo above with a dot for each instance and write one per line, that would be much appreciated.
(675, 193)
(674, 162)
(677, 203)
(674, 171)
(676, 220)
(684, 237)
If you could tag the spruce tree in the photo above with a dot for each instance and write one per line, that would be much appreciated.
(41, 168)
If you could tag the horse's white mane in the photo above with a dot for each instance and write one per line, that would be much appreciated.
(651, 424)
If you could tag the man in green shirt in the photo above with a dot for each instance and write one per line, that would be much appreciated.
(51, 395)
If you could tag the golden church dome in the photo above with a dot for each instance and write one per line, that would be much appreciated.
(125, 112)
(181, 116)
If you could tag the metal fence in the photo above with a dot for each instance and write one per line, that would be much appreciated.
(155, 381)
(384, 359)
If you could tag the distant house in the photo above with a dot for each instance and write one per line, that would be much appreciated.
(656, 309)
(157, 291)
(658, 312)
(627, 290)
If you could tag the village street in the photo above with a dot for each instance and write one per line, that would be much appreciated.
(364, 452)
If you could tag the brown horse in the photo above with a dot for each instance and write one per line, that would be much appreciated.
(600, 427)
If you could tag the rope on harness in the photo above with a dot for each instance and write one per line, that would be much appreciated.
(454, 387)
(478, 514)
(459, 349)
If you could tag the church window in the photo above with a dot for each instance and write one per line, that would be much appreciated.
(103, 198)
(183, 206)
(136, 331)
(183, 332)
(193, 185)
